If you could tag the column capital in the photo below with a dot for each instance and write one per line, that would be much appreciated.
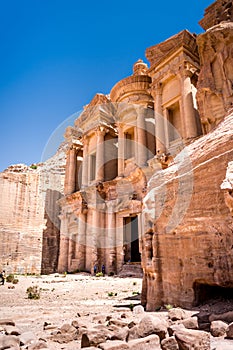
(187, 70)
(101, 130)
(85, 140)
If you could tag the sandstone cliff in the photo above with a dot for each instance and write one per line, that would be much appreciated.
(215, 91)
(29, 224)
(188, 241)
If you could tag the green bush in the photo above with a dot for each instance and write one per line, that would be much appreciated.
(33, 166)
(10, 278)
(15, 281)
(33, 292)
(99, 274)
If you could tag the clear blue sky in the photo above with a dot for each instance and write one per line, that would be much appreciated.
(56, 54)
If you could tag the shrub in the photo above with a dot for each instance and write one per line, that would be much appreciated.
(10, 278)
(135, 293)
(33, 166)
(168, 306)
(33, 292)
(99, 274)
(15, 281)
(111, 294)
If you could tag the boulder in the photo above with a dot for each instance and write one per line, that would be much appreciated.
(218, 328)
(152, 325)
(121, 334)
(169, 344)
(175, 327)
(27, 338)
(6, 322)
(190, 323)
(93, 337)
(133, 333)
(229, 331)
(40, 345)
(147, 343)
(9, 341)
(114, 345)
(12, 330)
(191, 339)
(225, 317)
(138, 309)
(176, 314)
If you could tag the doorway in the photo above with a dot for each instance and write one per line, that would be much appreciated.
(131, 240)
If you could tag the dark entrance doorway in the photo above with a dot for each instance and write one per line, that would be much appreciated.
(131, 240)
(205, 292)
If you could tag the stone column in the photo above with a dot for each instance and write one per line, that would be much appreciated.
(112, 240)
(101, 131)
(120, 150)
(85, 162)
(81, 241)
(119, 242)
(63, 246)
(189, 110)
(94, 239)
(78, 169)
(141, 138)
(70, 176)
(159, 119)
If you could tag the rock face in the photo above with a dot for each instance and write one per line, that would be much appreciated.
(215, 91)
(190, 245)
(29, 224)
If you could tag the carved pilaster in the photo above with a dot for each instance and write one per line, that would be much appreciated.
(120, 150)
(156, 92)
(85, 161)
(101, 131)
(185, 74)
(71, 168)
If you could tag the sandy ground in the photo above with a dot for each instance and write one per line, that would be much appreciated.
(71, 297)
(64, 299)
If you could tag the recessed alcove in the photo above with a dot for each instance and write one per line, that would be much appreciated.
(205, 292)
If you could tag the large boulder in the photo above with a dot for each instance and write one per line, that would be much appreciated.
(169, 344)
(218, 328)
(152, 325)
(147, 343)
(191, 339)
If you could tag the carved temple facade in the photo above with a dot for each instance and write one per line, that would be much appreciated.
(116, 144)
(122, 181)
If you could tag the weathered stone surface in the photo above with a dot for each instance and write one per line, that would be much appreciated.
(214, 94)
(191, 339)
(8, 341)
(173, 272)
(152, 325)
(169, 344)
(147, 343)
(29, 215)
(218, 328)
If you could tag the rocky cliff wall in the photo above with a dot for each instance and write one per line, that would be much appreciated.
(29, 223)
(188, 240)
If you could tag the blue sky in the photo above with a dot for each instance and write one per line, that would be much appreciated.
(56, 54)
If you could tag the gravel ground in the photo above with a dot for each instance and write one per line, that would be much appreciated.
(67, 298)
